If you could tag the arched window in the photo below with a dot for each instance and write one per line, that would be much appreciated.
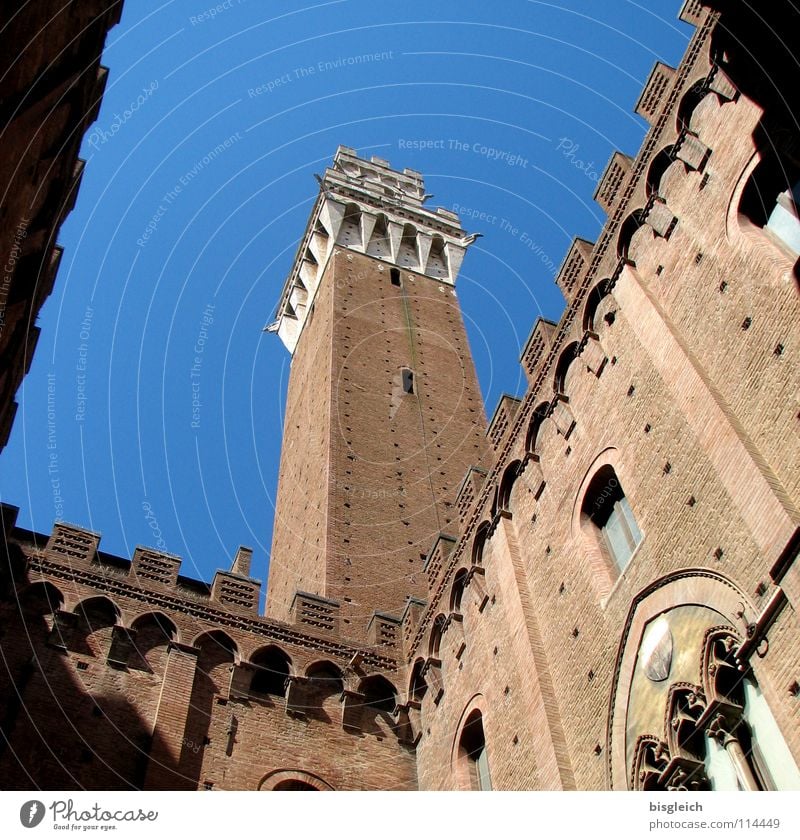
(607, 510)
(272, 667)
(472, 750)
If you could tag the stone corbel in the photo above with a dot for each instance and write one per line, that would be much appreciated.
(409, 722)
(352, 704)
(692, 151)
(562, 415)
(432, 671)
(592, 352)
(122, 643)
(661, 219)
(456, 638)
(64, 624)
(476, 584)
(297, 695)
(531, 469)
(720, 84)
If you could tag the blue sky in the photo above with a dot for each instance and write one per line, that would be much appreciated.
(197, 188)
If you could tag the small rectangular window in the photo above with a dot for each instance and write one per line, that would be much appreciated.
(408, 381)
(394, 275)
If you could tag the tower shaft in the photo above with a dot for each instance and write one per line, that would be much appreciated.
(384, 415)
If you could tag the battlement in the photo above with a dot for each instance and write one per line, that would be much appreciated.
(72, 555)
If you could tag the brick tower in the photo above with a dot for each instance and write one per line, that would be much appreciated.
(383, 414)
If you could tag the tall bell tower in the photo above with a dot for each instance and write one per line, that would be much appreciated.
(383, 414)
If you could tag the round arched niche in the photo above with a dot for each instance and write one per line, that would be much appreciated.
(662, 645)
(293, 780)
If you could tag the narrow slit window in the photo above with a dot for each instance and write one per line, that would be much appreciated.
(408, 381)
(394, 276)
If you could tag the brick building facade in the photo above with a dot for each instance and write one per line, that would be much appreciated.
(51, 85)
(599, 591)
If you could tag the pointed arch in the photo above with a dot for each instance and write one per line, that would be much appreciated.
(457, 590)
(591, 318)
(272, 668)
(350, 231)
(537, 419)
(689, 102)
(510, 476)
(41, 598)
(417, 687)
(479, 543)
(567, 357)
(660, 163)
(98, 612)
(380, 245)
(217, 640)
(628, 229)
(437, 259)
(408, 253)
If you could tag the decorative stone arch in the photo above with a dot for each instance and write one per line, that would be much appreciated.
(408, 254)
(350, 235)
(438, 265)
(280, 779)
(687, 587)
(220, 639)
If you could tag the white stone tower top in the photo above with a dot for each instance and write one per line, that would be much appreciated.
(368, 207)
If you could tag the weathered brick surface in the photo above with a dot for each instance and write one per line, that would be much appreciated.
(368, 471)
